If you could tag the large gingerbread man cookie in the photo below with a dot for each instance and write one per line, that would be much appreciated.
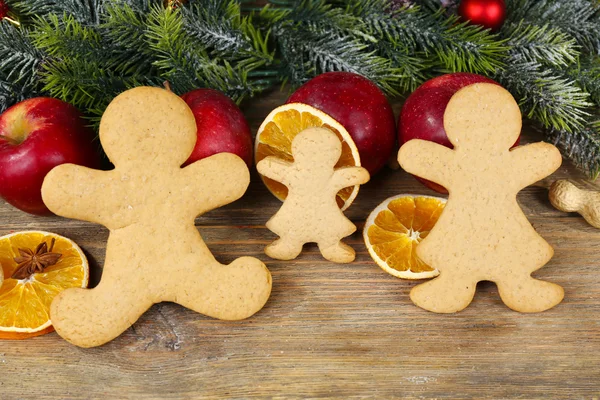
(482, 233)
(148, 202)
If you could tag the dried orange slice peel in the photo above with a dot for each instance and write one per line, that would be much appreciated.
(36, 266)
(275, 135)
(395, 228)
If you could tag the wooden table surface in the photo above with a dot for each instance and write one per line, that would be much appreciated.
(331, 330)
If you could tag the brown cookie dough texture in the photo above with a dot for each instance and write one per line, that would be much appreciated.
(148, 202)
(310, 212)
(482, 233)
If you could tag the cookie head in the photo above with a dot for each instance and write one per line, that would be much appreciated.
(317, 146)
(148, 126)
(484, 117)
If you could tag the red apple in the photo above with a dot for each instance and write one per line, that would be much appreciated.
(360, 106)
(36, 135)
(221, 125)
(422, 116)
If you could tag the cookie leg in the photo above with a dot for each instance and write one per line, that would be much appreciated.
(340, 252)
(92, 317)
(229, 292)
(284, 249)
(444, 294)
(527, 294)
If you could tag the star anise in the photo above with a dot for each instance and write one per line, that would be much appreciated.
(34, 261)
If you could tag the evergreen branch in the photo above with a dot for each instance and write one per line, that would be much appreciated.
(448, 7)
(587, 75)
(20, 63)
(138, 6)
(224, 33)
(411, 69)
(19, 59)
(64, 37)
(12, 93)
(186, 64)
(545, 95)
(8, 94)
(454, 46)
(314, 38)
(316, 14)
(88, 64)
(381, 18)
(582, 146)
(306, 54)
(125, 27)
(541, 44)
(85, 11)
(84, 84)
(579, 18)
(470, 48)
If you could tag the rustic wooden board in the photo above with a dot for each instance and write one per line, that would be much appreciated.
(331, 330)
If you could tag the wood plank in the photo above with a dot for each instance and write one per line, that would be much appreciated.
(331, 330)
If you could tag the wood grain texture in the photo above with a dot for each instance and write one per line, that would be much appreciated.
(347, 331)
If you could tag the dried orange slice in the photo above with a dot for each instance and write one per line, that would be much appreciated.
(45, 265)
(275, 135)
(395, 228)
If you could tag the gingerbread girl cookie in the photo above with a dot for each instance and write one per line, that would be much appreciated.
(148, 202)
(482, 233)
(310, 212)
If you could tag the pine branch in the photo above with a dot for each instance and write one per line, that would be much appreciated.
(412, 69)
(84, 84)
(541, 44)
(452, 45)
(185, 62)
(89, 65)
(316, 14)
(314, 38)
(20, 63)
(12, 93)
(79, 70)
(587, 75)
(470, 48)
(433, 6)
(388, 40)
(582, 146)
(224, 33)
(19, 59)
(63, 37)
(138, 6)
(125, 27)
(545, 95)
(85, 11)
(579, 18)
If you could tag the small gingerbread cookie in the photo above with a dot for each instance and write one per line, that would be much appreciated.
(310, 212)
(154, 252)
(482, 233)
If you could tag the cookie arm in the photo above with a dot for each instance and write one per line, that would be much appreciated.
(349, 176)
(214, 181)
(274, 168)
(533, 162)
(427, 160)
(82, 193)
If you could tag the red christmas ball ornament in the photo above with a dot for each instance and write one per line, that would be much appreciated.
(3, 10)
(487, 13)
